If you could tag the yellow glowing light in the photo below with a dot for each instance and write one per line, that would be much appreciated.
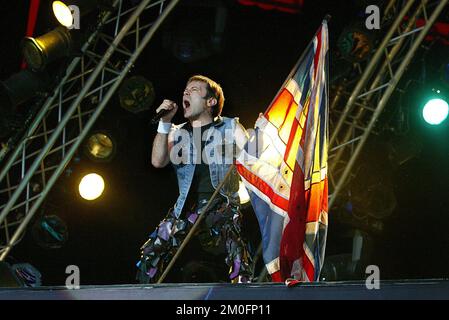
(62, 13)
(243, 194)
(91, 186)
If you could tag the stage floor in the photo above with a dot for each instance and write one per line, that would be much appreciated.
(389, 290)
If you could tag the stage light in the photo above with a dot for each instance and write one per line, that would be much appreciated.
(21, 87)
(91, 186)
(39, 52)
(100, 147)
(337, 268)
(69, 12)
(50, 232)
(136, 94)
(27, 274)
(62, 13)
(355, 44)
(435, 111)
(243, 194)
(15, 91)
(191, 41)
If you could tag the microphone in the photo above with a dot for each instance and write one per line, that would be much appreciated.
(159, 115)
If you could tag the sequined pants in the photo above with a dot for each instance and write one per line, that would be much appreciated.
(220, 227)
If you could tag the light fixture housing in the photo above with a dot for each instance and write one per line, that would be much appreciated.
(50, 232)
(39, 52)
(22, 86)
(356, 43)
(100, 146)
(136, 94)
(15, 91)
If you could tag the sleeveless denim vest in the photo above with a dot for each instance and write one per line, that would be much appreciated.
(221, 132)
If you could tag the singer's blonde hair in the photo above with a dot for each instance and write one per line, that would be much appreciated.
(214, 90)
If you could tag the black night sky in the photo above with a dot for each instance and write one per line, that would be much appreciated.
(259, 49)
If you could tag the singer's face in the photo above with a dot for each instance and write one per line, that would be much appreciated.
(194, 101)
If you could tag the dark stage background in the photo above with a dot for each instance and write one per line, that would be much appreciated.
(260, 47)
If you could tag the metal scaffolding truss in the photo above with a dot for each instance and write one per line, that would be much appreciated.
(355, 109)
(66, 117)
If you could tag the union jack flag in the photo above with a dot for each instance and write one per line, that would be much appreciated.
(287, 177)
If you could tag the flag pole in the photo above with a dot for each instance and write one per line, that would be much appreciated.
(195, 225)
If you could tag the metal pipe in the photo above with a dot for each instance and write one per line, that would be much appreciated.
(394, 51)
(72, 108)
(94, 116)
(389, 7)
(369, 70)
(35, 124)
(386, 97)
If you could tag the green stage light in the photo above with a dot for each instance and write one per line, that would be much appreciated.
(435, 111)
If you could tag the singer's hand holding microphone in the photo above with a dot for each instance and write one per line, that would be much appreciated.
(165, 112)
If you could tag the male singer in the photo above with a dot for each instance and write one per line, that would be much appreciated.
(201, 151)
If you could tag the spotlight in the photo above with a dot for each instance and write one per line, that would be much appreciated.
(436, 109)
(243, 194)
(136, 94)
(69, 12)
(63, 13)
(39, 52)
(27, 274)
(50, 232)
(187, 46)
(91, 186)
(100, 147)
(340, 267)
(15, 91)
(191, 41)
(21, 87)
(355, 44)
(335, 268)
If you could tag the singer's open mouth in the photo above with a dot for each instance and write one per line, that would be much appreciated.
(186, 104)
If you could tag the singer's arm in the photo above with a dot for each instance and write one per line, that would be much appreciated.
(160, 155)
